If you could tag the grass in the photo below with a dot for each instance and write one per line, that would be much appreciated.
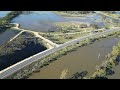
(60, 39)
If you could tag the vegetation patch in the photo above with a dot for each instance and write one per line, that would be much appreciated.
(60, 39)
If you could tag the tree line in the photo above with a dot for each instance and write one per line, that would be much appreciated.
(77, 12)
(5, 21)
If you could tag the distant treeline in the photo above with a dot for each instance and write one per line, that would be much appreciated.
(85, 12)
(109, 11)
(77, 12)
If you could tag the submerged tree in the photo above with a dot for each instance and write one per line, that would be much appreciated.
(64, 74)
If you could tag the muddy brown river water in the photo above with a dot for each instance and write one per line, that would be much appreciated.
(84, 58)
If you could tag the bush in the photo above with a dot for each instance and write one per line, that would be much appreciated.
(79, 75)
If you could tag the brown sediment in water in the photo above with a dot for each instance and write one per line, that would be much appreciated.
(84, 58)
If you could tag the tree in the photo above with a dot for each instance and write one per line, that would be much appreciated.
(94, 26)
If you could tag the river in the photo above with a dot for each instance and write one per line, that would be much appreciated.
(84, 58)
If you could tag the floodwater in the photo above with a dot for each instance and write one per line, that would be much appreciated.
(6, 35)
(43, 20)
(84, 58)
(4, 13)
